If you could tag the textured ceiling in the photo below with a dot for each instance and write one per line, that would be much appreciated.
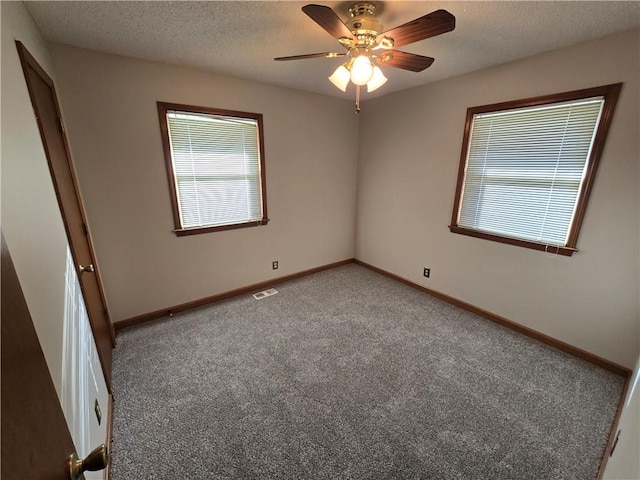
(240, 38)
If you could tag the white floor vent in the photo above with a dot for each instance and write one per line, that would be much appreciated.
(265, 293)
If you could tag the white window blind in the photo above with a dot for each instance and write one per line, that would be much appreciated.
(525, 168)
(216, 165)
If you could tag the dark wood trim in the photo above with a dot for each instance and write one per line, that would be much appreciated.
(610, 94)
(107, 471)
(28, 61)
(166, 148)
(529, 332)
(614, 429)
(129, 322)
(163, 107)
(462, 168)
(263, 171)
(603, 90)
(565, 347)
(218, 228)
(76, 242)
(552, 249)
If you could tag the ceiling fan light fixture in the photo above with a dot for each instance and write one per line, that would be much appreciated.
(377, 80)
(340, 78)
(364, 34)
(361, 70)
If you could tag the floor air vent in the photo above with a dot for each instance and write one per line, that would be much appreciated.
(265, 293)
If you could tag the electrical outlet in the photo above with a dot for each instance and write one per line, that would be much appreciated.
(427, 272)
(274, 265)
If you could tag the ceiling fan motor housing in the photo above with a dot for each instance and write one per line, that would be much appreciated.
(364, 25)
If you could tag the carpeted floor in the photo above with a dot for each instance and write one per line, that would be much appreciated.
(346, 374)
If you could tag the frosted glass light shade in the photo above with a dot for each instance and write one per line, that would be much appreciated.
(340, 78)
(377, 80)
(361, 70)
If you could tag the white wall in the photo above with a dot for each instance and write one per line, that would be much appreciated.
(408, 164)
(31, 220)
(112, 123)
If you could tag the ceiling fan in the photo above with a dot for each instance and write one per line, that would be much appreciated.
(369, 46)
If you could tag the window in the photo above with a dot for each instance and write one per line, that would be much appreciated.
(527, 168)
(215, 165)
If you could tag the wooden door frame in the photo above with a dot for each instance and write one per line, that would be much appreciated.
(29, 62)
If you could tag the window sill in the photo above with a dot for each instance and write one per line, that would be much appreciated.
(553, 249)
(182, 232)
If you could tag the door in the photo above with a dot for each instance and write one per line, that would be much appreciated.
(84, 396)
(36, 442)
(45, 105)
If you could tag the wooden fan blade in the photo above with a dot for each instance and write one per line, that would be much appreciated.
(432, 24)
(404, 60)
(312, 55)
(328, 19)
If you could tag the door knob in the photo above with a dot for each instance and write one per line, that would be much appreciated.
(86, 268)
(96, 460)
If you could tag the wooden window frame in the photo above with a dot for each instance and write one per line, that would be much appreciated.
(610, 94)
(179, 230)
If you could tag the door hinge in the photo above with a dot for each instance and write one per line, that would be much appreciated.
(85, 229)
(61, 124)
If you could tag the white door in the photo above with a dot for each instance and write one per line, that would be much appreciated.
(85, 397)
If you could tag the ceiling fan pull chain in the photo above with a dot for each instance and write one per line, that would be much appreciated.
(357, 99)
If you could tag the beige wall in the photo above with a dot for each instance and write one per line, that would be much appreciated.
(409, 146)
(109, 106)
(408, 164)
(31, 219)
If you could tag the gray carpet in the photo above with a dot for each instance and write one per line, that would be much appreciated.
(346, 374)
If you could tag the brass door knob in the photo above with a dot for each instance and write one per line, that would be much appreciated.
(86, 268)
(96, 460)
